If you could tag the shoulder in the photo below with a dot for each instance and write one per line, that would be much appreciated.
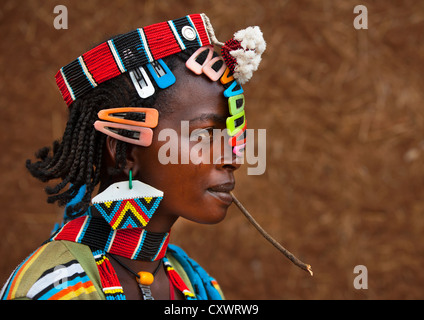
(54, 271)
(204, 286)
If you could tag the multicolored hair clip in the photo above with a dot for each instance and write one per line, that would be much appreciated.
(137, 132)
(241, 56)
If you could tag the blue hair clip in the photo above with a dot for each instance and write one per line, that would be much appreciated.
(233, 90)
(161, 74)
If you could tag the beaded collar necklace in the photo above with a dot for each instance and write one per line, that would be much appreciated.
(132, 243)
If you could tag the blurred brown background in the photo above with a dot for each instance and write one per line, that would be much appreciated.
(343, 109)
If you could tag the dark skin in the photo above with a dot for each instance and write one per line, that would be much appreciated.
(197, 192)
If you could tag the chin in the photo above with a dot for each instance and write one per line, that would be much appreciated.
(218, 215)
(204, 209)
(210, 212)
(212, 217)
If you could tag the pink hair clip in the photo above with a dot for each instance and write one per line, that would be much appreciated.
(199, 59)
(215, 68)
(239, 150)
(202, 61)
(142, 136)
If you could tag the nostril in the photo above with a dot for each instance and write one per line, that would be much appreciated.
(231, 167)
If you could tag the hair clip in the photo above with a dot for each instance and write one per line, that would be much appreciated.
(234, 89)
(142, 83)
(238, 150)
(226, 77)
(215, 68)
(117, 115)
(142, 136)
(239, 138)
(161, 73)
(199, 59)
(235, 123)
(236, 104)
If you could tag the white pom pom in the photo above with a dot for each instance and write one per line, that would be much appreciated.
(251, 38)
(249, 57)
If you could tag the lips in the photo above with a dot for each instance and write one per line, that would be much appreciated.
(222, 192)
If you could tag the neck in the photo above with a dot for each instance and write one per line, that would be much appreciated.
(161, 221)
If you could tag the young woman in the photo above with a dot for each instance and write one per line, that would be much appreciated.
(134, 101)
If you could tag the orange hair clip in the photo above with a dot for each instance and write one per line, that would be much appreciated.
(150, 120)
(225, 78)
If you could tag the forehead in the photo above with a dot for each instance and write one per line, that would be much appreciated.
(196, 96)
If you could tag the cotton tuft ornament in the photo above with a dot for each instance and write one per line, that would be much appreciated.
(242, 53)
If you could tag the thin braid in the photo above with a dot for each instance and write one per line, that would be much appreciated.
(82, 155)
(75, 164)
(62, 148)
(67, 144)
(74, 146)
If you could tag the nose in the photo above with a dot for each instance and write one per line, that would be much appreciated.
(227, 159)
(231, 164)
(234, 165)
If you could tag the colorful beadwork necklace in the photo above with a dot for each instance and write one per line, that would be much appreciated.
(144, 278)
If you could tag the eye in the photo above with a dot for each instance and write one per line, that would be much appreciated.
(203, 134)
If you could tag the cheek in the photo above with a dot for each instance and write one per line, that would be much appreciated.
(186, 196)
(181, 183)
(184, 185)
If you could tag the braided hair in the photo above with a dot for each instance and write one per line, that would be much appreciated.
(76, 160)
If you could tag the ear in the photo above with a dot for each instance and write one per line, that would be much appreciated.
(131, 163)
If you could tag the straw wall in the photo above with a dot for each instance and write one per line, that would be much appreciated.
(343, 109)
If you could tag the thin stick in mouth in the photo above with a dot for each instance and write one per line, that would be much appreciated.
(283, 250)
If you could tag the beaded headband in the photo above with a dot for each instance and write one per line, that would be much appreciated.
(129, 51)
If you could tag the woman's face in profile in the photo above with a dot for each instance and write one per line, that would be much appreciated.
(199, 190)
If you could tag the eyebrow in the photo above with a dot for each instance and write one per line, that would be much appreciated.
(208, 117)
